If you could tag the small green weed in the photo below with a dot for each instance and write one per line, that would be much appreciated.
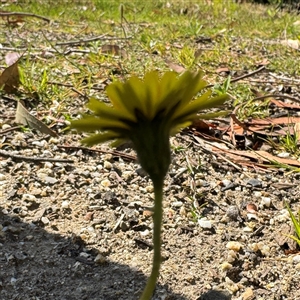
(296, 224)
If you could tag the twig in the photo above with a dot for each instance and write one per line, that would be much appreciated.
(9, 130)
(242, 77)
(72, 86)
(118, 223)
(247, 75)
(114, 152)
(82, 41)
(23, 14)
(284, 78)
(277, 96)
(96, 38)
(34, 159)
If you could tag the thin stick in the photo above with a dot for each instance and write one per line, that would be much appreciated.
(82, 41)
(115, 152)
(23, 14)
(9, 130)
(242, 77)
(34, 159)
(277, 96)
(97, 38)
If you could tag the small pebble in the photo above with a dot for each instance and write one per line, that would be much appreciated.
(182, 211)
(28, 197)
(65, 204)
(100, 259)
(149, 188)
(105, 183)
(177, 204)
(2, 177)
(107, 165)
(45, 220)
(254, 182)
(266, 201)
(296, 259)
(235, 246)
(226, 266)
(248, 294)
(50, 180)
(226, 182)
(284, 154)
(203, 223)
(145, 232)
(5, 126)
(84, 254)
(233, 213)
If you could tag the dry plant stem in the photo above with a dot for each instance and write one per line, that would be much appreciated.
(23, 14)
(34, 159)
(157, 220)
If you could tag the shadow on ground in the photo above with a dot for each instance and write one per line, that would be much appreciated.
(35, 264)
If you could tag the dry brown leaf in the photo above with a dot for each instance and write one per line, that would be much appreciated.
(175, 67)
(113, 50)
(285, 105)
(223, 69)
(10, 78)
(261, 156)
(24, 117)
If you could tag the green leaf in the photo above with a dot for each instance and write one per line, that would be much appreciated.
(89, 123)
(294, 220)
(103, 110)
(213, 115)
(100, 138)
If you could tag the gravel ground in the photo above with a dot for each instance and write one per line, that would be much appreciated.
(83, 230)
(76, 223)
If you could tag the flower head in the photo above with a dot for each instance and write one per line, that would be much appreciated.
(147, 112)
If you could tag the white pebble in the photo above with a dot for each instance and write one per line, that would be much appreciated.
(247, 229)
(296, 259)
(226, 182)
(5, 126)
(204, 223)
(145, 232)
(252, 216)
(257, 194)
(177, 204)
(65, 204)
(2, 177)
(266, 201)
(284, 154)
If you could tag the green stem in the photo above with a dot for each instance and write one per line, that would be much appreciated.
(157, 220)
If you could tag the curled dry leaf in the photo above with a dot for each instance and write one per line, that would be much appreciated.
(251, 208)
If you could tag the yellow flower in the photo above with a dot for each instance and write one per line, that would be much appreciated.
(147, 112)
